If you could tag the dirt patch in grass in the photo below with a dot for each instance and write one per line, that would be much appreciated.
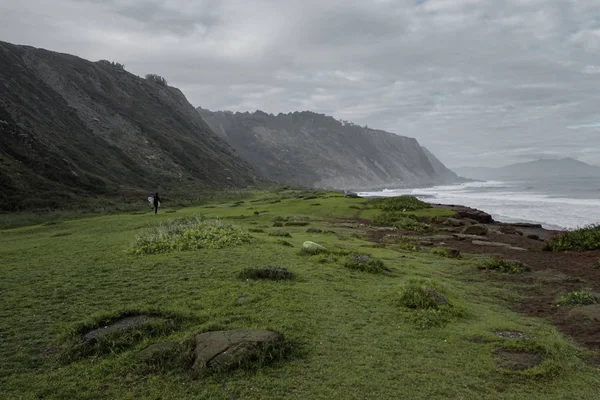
(517, 360)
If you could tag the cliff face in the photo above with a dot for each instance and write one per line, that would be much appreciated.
(317, 150)
(71, 128)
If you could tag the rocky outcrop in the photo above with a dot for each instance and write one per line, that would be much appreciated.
(316, 150)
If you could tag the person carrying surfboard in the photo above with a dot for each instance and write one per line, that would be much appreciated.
(156, 202)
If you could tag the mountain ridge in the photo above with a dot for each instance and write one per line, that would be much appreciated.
(71, 129)
(535, 169)
(341, 154)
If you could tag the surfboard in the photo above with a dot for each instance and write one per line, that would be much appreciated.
(151, 201)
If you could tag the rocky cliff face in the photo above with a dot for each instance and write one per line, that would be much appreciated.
(72, 128)
(317, 150)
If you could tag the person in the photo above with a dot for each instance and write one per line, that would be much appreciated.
(156, 202)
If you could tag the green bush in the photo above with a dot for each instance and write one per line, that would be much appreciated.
(187, 234)
(365, 263)
(399, 203)
(582, 239)
(504, 266)
(402, 221)
(582, 297)
(422, 295)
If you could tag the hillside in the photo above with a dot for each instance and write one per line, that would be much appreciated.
(538, 169)
(73, 129)
(317, 150)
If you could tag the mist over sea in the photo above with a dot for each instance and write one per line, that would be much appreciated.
(555, 203)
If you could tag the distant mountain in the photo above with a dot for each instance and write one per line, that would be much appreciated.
(539, 169)
(317, 150)
(71, 128)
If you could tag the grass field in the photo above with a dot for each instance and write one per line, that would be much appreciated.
(357, 335)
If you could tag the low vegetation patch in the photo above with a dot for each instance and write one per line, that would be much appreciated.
(280, 233)
(583, 239)
(504, 266)
(402, 221)
(271, 273)
(582, 297)
(285, 243)
(399, 203)
(447, 253)
(365, 263)
(428, 306)
(191, 233)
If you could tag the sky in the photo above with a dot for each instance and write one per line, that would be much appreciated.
(478, 82)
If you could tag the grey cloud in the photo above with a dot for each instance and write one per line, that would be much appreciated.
(477, 82)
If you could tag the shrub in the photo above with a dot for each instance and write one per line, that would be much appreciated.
(447, 253)
(285, 243)
(187, 234)
(157, 79)
(256, 230)
(403, 221)
(399, 203)
(271, 273)
(504, 266)
(583, 297)
(597, 265)
(583, 239)
(422, 295)
(365, 263)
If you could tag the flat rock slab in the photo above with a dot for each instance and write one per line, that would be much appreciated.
(497, 244)
(222, 350)
(464, 236)
(120, 325)
(591, 311)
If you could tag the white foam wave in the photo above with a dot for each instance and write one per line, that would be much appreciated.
(508, 205)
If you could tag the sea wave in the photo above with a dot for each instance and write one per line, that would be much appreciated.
(510, 202)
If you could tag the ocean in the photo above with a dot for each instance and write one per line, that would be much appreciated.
(558, 203)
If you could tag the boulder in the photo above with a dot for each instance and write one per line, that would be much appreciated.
(223, 350)
(479, 230)
(533, 237)
(509, 230)
(312, 246)
(454, 222)
(476, 215)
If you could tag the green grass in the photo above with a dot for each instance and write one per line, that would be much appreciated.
(399, 203)
(582, 239)
(582, 297)
(504, 266)
(402, 221)
(358, 339)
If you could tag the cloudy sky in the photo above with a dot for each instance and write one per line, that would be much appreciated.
(479, 82)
